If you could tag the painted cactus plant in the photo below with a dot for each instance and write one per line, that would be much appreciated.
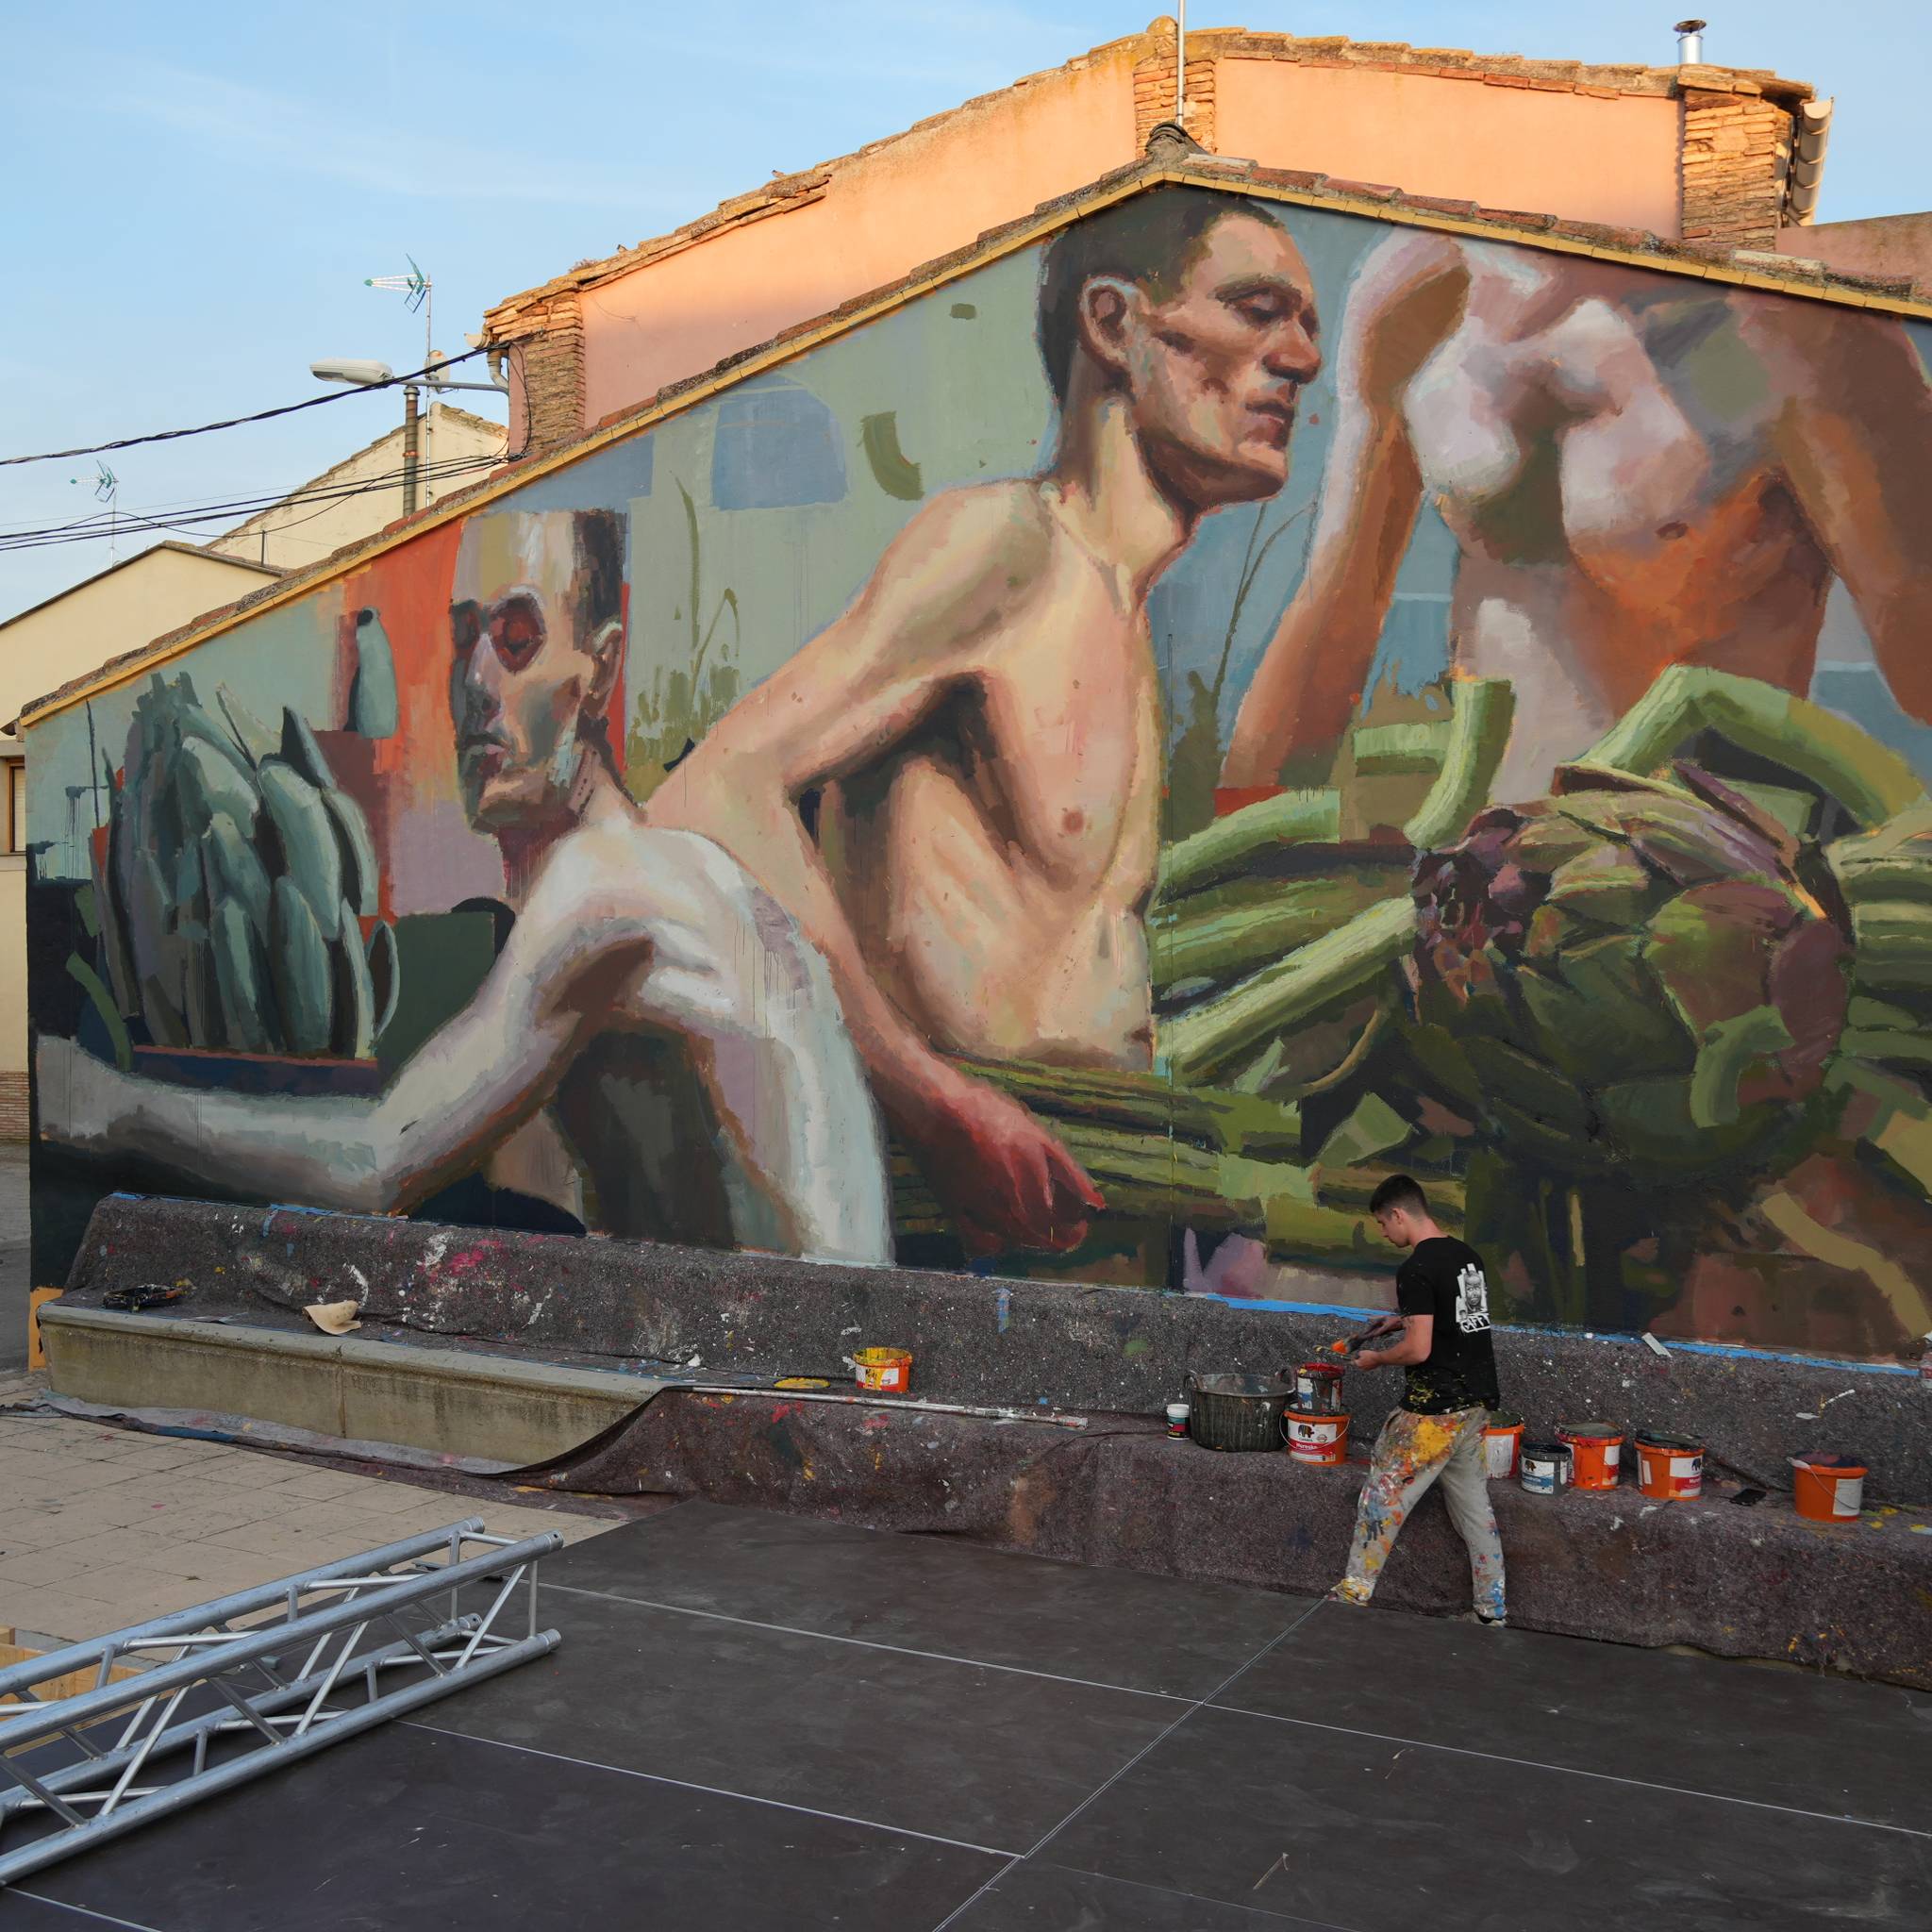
(1629, 975)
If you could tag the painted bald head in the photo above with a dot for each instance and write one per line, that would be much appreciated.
(537, 642)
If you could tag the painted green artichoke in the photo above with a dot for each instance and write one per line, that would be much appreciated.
(233, 887)
(1628, 978)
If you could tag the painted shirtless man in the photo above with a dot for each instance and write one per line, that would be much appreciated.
(1638, 472)
(653, 1022)
(982, 728)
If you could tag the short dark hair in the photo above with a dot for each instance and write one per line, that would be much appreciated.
(1149, 239)
(600, 544)
(600, 568)
(1399, 1190)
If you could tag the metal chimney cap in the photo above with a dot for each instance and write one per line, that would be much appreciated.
(1689, 26)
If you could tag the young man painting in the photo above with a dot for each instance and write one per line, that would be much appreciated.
(1437, 1431)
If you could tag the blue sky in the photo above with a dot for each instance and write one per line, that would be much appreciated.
(195, 196)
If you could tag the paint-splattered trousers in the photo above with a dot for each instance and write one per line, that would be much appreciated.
(1411, 1453)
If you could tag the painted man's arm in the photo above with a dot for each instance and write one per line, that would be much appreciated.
(1857, 443)
(1311, 677)
(845, 704)
(1418, 1338)
(468, 1086)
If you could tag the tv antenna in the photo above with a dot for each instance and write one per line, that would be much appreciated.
(107, 489)
(418, 292)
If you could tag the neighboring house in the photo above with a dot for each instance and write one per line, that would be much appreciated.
(160, 589)
(1717, 157)
(364, 491)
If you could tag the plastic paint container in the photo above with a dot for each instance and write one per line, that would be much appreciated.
(1545, 1468)
(1177, 1418)
(888, 1370)
(1670, 1469)
(1316, 1437)
(1828, 1489)
(1597, 1454)
(1502, 1447)
(1318, 1388)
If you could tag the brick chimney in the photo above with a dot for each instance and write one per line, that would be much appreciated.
(1734, 152)
(1154, 85)
(546, 341)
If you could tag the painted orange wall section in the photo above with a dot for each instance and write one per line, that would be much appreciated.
(1563, 154)
(921, 196)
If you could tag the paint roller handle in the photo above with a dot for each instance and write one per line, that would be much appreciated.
(1386, 1324)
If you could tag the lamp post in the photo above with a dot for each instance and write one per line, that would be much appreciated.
(355, 375)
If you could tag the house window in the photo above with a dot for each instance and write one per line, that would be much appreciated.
(16, 805)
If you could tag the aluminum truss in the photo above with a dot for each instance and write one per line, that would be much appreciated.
(233, 1688)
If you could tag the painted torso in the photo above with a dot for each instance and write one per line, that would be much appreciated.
(998, 869)
(718, 1099)
(1603, 450)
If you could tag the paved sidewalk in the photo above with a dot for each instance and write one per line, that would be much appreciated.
(102, 1527)
(16, 1242)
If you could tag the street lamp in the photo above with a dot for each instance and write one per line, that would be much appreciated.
(355, 375)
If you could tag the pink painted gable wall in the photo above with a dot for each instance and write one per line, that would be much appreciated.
(1879, 245)
(918, 196)
(937, 188)
(1557, 153)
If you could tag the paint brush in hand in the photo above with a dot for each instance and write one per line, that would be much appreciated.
(1380, 1331)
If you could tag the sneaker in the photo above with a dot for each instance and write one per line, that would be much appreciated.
(1488, 1623)
(1343, 1594)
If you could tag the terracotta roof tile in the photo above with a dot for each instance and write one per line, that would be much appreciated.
(783, 192)
(1362, 191)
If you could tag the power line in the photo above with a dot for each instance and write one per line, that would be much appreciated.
(242, 505)
(190, 516)
(422, 376)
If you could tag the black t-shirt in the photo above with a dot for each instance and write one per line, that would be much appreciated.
(1443, 1277)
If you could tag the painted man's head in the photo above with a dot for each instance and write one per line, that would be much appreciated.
(1199, 310)
(537, 635)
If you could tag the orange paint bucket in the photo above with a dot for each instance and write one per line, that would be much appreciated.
(1828, 1489)
(1314, 1438)
(1670, 1469)
(888, 1370)
(1503, 1448)
(1597, 1454)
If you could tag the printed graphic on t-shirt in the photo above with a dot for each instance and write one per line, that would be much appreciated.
(1471, 1301)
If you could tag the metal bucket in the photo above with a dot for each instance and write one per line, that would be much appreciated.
(1236, 1411)
(1318, 1388)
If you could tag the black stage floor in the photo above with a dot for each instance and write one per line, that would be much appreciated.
(757, 1721)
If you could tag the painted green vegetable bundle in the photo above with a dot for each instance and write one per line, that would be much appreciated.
(1676, 963)
(236, 880)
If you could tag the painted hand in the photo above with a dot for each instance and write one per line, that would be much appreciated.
(76, 1095)
(1004, 1178)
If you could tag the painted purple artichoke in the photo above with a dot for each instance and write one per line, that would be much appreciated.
(1626, 977)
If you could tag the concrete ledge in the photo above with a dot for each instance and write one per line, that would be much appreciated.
(1744, 1582)
(1758, 1582)
(458, 1402)
(975, 1340)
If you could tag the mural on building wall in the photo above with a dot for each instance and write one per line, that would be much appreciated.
(1084, 775)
